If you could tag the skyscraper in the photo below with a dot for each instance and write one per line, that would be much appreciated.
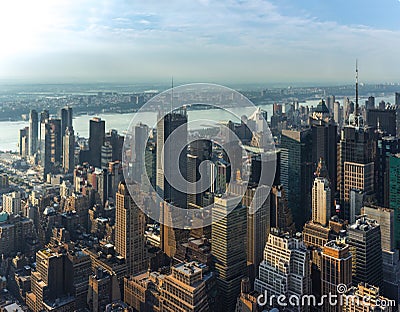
(359, 177)
(101, 290)
(356, 155)
(337, 113)
(66, 118)
(150, 162)
(186, 288)
(116, 142)
(394, 195)
(365, 245)
(357, 198)
(321, 197)
(285, 269)
(281, 215)
(141, 137)
(24, 142)
(69, 150)
(229, 249)
(96, 140)
(45, 147)
(384, 119)
(385, 219)
(220, 176)
(315, 236)
(391, 274)
(56, 143)
(296, 162)
(166, 125)
(324, 146)
(12, 203)
(33, 132)
(257, 202)
(106, 155)
(370, 103)
(358, 302)
(129, 231)
(346, 108)
(247, 302)
(386, 146)
(49, 283)
(336, 269)
(330, 100)
(115, 176)
(198, 152)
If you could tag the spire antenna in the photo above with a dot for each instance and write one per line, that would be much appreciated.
(172, 93)
(357, 87)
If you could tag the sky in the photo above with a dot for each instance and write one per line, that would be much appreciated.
(225, 41)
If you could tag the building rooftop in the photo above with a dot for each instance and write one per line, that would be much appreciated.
(59, 302)
(13, 307)
(190, 267)
(336, 244)
(364, 224)
(117, 306)
(321, 108)
(3, 216)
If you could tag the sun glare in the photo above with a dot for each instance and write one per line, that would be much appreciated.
(24, 23)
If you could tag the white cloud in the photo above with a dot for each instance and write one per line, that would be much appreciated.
(248, 40)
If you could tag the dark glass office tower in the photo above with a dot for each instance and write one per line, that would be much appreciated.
(356, 156)
(44, 115)
(365, 245)
(324, 145)
(386, 146)
(150, 158)
(66, 118)
(116, 141)
(384, 119)
(165, 126)
(166, 154)
(370, 103)
(141, 137)
(96, 140)
(33, 132)
(297, 173)
(24, 142)
(394, 194)
(199, 151)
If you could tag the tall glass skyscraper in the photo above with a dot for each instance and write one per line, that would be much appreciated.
(394, 195)
(33, 132)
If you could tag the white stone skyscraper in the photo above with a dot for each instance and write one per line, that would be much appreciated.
(321, 201)
(285, 269)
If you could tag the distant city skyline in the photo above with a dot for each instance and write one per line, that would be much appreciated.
(229, 41)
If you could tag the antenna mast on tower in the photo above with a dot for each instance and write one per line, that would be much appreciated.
(357, 112)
